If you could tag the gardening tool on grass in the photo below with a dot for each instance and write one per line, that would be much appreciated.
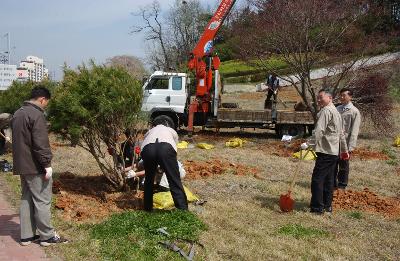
(286, 202)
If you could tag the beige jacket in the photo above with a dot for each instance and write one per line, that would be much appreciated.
(351, 118)
(163, 134)
(329, 137)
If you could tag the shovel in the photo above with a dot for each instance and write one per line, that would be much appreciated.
(286, 202)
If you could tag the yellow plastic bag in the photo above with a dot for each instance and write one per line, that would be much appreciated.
(182, 145)
(397, 141)
(163, 200)
(310, 156)
(235, 142)
(205, 146)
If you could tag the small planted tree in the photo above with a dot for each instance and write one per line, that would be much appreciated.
(92, 108)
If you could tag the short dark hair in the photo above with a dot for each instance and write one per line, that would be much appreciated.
(160, 121)
(327, 91)
(347, 90)
(40, 91)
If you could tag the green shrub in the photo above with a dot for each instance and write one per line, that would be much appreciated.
(92, 107)
(12, 98)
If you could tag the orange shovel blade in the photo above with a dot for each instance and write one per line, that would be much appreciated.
(286, 203)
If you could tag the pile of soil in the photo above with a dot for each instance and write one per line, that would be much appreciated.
(90, 198)
(279, 148)
(206, 169)
(366, 200)
(366, 154)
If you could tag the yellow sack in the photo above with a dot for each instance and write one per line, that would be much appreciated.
(182, 145)
(235, 142)
(163, 200)
(205, 146)
(310, 156)
(397, 141)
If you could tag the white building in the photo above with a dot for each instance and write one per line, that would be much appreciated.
(33, 69)
(8, 73)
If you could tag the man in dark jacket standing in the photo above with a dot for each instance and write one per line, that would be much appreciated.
(32, 161)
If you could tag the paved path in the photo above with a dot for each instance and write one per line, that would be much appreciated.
(319, 73)
(10, 249)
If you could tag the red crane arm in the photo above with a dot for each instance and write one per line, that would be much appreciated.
(205, 44)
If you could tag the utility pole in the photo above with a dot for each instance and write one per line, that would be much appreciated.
(9, 46)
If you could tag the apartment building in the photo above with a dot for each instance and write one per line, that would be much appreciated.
(8, 73)
(32, 68)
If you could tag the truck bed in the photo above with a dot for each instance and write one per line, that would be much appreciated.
(264, 116)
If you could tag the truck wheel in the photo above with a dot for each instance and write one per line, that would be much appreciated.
(295, 130)
(165, 120)
(230, 105)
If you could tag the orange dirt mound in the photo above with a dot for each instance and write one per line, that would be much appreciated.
(278, 148)
(365, 154)
(90, 198)
(205, 169)
(366, 200)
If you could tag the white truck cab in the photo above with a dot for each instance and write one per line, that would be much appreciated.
(165, 95)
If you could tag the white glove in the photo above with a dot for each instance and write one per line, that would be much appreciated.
(8, 139)
(49, 173)
(304, 146)
(131, 174)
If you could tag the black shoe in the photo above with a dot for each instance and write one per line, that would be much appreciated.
(53, 240)
(316, 211)
(328, 210)
(29, 240)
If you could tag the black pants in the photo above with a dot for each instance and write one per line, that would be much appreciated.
(2, 143)
(342, 174)
(268, 102)
(322, 182)
(162, 154)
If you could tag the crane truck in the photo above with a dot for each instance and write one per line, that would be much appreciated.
(169, 96)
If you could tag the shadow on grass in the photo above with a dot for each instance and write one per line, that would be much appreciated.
(9, 228)
(272, 203)
(84, 185)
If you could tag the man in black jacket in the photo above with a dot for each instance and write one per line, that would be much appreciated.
(32, 161)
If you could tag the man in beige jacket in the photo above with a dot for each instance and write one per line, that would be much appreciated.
(328, 138)
(351, 118)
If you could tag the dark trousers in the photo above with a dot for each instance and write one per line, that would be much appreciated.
(162, 154)
(342, 174)
(322, 182)
(268, 102)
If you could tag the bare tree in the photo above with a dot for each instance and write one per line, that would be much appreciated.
(185, 22)
(300, 31)
(132, 64)
(153, 28)
(171, 39)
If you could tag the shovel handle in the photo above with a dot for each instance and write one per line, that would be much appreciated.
(4, 137)
(296, 172)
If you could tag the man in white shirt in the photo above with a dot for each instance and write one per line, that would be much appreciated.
(159, 148)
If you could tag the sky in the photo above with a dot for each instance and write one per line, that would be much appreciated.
(73, 31)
